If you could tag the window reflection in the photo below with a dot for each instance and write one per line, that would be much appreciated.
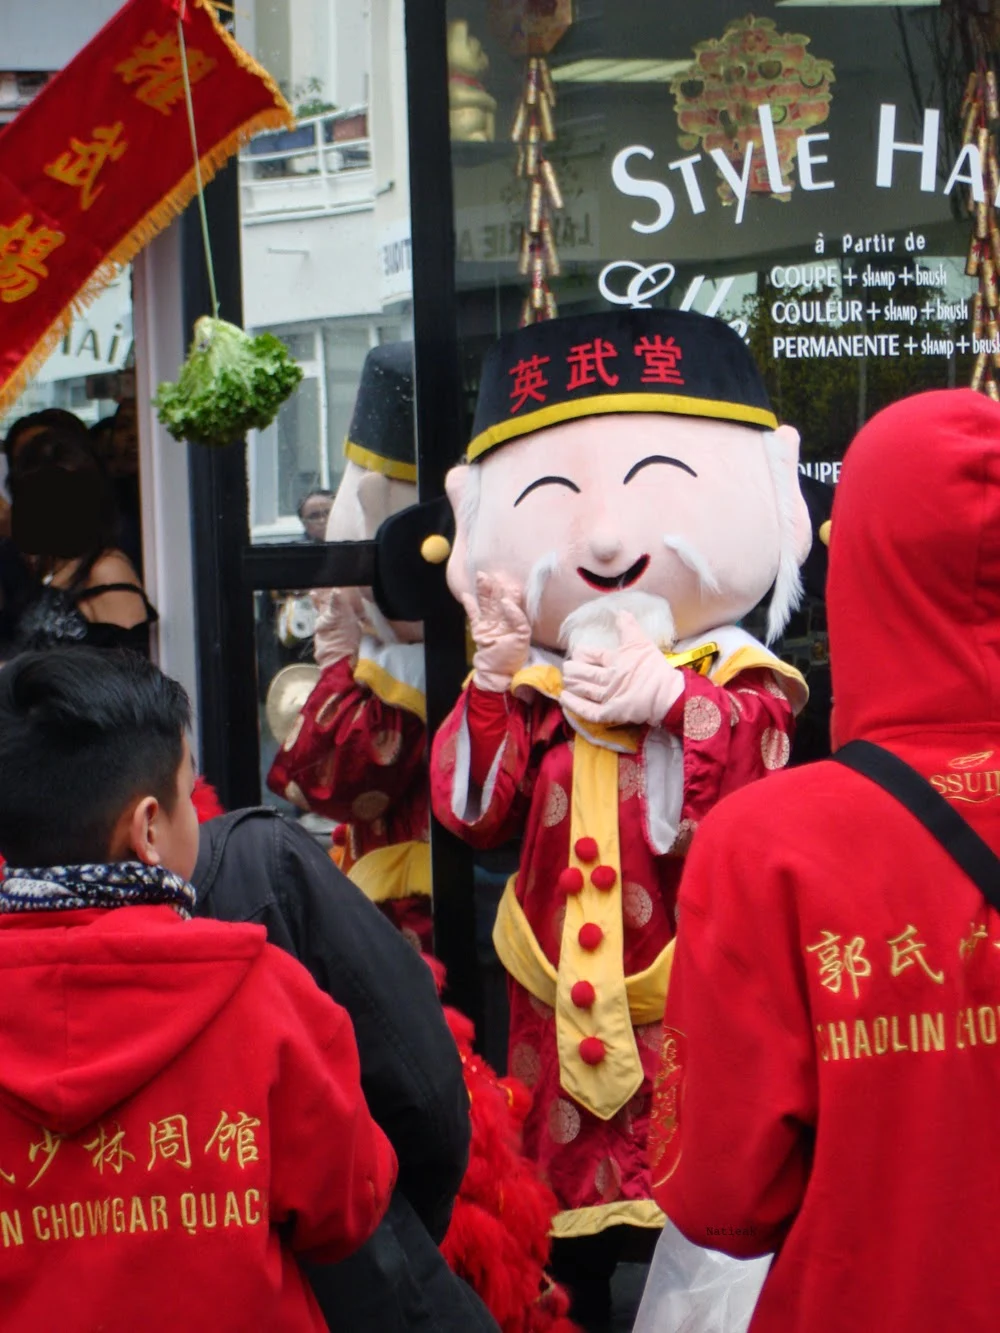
(325, 231)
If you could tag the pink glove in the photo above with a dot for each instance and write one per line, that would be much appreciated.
(338, 627)
(500, 629)
(632, 684)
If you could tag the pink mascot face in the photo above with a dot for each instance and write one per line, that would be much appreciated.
(704, 515)
(363, 502)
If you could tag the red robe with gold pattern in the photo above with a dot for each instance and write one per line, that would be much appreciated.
(503, 765)
(357, 754)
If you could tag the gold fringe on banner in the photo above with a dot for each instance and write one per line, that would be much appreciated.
(170, 207)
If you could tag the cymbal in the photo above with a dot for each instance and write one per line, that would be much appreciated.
(286, 697)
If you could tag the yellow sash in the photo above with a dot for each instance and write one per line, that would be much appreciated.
(620, 1001)
(523, 958)
(400, 871)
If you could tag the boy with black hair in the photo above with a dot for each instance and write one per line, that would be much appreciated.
(180, 1108)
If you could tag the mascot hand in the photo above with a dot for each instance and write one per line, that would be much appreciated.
(631, 684)
(500, 629)
(338, 628)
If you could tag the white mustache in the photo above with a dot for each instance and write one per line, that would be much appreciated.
(541, 571)
(690, 556)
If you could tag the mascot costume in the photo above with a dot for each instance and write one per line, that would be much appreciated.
(628, 498)
(357, 751)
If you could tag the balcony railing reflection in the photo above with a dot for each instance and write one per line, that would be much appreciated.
(321, 167)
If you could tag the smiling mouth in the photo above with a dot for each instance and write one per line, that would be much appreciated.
(616, 582)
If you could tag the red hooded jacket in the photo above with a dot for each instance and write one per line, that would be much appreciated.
(180, 1115)
(830, 1087)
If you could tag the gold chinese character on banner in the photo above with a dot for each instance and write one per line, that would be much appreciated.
(168, 1138)
(23, 252)
(108, 1150)
(157, 66)
(240, 1131)
(48, 1145)
(81, 164)
(907, 949)
(837, 961)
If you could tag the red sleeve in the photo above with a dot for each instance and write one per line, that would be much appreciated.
(734, 1108)
(487, 713)
(332, 1169)
(348, 742)
(484, 763)
(732, 734)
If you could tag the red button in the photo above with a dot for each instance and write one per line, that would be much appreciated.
(586, 850)
(604, 877)
(583, 994)
(571, 880)
(591, 1050)
(590, 935)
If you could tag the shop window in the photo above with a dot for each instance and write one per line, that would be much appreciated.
(808, 172)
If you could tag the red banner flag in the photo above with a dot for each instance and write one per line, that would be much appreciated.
(102, 160)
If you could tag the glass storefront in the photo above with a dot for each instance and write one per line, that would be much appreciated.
(795, 169)
(821, 175)
(812, 173)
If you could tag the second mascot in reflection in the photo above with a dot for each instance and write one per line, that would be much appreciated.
(628, 498)
(357, 751)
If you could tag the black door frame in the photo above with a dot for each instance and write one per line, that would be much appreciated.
(228, 569)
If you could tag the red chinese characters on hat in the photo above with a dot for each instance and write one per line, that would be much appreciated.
(660, 356)
(529, 381)
(588, 363)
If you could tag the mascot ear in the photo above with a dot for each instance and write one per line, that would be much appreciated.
(789, 438)
(374, 493)
(460, 486)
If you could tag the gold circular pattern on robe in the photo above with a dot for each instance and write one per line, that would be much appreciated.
(775, 749)
(286, 697)
(824, 533)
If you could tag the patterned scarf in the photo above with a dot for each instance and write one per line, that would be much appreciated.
(66, 888)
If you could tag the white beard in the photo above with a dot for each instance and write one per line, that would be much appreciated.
(375, 623)
(595, 623)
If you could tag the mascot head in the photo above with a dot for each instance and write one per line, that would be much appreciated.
(380, 474)
(630, 460)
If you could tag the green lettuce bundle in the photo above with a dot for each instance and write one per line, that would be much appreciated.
(229, 384)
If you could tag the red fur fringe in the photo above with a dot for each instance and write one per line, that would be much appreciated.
(498, 1240)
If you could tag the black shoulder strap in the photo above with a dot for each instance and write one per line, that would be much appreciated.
(962, 843)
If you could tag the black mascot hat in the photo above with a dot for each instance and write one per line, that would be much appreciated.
(411, 546)
(668, 361)
(381, 437)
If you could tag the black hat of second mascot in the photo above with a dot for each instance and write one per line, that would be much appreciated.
(381, 436)
(669, 361)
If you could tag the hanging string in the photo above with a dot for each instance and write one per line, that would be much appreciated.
(197, 161)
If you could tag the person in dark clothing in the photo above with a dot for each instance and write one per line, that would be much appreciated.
(24, 429)
(16, 585)
(65, 524)
(255, 865)
(114, 443)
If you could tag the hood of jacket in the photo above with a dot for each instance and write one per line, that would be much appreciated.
(913, 594)
(94, 1004)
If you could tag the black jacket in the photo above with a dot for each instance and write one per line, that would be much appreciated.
(255, 865)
